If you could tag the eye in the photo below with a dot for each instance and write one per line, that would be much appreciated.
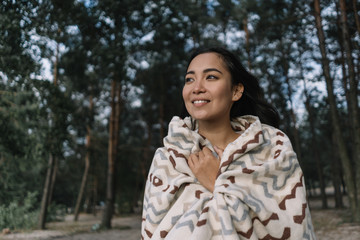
(189, 80)
(211, 77)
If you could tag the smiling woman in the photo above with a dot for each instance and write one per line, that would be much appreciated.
(208, 93)
(225, 171)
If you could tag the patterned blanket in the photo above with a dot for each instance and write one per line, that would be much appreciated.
(259, 192)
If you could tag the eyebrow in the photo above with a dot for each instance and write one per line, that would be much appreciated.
(206, 71)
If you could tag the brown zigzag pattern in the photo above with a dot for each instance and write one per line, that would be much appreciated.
(247, 171)
(277, 153)
(286, 235)
(148, 233)
(241, 150)
(280, 134)
(196, 211)
(273, 216)
(232, 179)
(292, 194)
(163, 234)
(176, 188)
(246, 234)
(300, 218)
(172, 161)
(202, 222)
(177, 154)
(198, 193)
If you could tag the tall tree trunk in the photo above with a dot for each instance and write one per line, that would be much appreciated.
(45, 196)
(53, 179)
(345, 160)
(146, 155)
(314, 146)
(112, 152)
(161, 120)
(357, 21)
(353, 104)
(336, 175)
(290, 95)
(161, 110)
(52, 163)
(87, 161)
(56, 159)
(95, 195)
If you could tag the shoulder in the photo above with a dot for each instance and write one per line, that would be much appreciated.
(252, 125)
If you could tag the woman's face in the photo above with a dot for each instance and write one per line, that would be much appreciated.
(208, 93)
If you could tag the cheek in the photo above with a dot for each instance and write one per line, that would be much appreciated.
(185, 93)
(225, 92)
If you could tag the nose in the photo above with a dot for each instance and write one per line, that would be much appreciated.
(198, 87)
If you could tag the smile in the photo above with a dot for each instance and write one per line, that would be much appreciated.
(200, 101)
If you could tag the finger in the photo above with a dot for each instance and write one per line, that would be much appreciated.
(201, 155)
(206, 151)
(191, 160)
(195, 158)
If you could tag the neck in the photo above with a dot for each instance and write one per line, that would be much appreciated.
(219, 134)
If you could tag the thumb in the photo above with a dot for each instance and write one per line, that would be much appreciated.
(219, 151)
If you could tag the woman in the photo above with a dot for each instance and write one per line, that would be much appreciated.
(225, 172)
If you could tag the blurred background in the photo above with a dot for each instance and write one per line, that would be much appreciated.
(87, 89)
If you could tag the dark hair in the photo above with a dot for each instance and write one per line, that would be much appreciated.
(252, 101)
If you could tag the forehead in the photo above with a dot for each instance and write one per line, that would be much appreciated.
(207, 60)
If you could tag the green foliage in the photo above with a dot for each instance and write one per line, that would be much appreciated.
(56, 212)
(20, 214)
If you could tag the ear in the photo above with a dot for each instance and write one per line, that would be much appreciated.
(237, 92)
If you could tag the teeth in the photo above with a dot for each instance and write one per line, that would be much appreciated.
(200, 101)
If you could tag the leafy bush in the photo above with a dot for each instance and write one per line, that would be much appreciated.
(20, 215)
(56, 212)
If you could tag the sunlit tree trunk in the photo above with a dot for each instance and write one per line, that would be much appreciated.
(345, 160)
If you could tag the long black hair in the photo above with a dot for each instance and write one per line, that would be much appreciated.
(252, 101)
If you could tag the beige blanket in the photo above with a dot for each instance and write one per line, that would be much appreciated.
(259, 192)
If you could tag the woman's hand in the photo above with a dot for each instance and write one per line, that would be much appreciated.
(205, 166)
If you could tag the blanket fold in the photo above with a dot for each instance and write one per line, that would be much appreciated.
(259, 191)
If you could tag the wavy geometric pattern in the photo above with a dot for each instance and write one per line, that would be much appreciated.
(259, 191)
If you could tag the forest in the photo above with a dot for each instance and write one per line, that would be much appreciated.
(88, 87)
